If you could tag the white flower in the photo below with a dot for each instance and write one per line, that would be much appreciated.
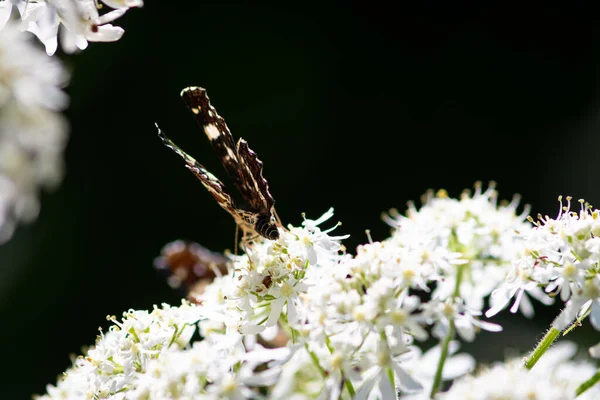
(555, 377)
(561, 256)
(209, 370)
(465, 320)
(269, 279)
(125, 352)
(32, 131)
(473, 235)
(423, 367)
(376, 383)
(80, 21)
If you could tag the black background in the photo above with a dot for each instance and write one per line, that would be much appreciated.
(360, 107)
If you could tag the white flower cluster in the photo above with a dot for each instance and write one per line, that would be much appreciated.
(212, 370)
(299, 318)
(473, 232)
(79, 21)
(555, 377)
(124, 353)
(32, 130)
(561, 257)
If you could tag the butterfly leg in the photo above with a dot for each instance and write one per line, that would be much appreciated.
(237, 236)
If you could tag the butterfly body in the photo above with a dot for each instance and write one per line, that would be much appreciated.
(244, 168)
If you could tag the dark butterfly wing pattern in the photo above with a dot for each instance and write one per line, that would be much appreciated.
(216, 131)
(252, 168)
(240, 162)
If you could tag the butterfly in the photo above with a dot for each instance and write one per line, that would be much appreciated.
(190, 267)
(257, 216)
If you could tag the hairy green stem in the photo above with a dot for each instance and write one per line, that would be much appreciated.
(542, 346)
(588, 384)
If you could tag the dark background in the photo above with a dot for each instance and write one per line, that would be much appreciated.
(360, 107)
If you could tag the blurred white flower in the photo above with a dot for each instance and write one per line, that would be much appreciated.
(80, 20)
(595, 351)
(32, 131)
(423, 367)
(555, 377)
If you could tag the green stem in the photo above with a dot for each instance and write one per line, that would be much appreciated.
(347, 382)
(292, 332)
(577, 322)
(350, 388)
(542, 346)
(437, 380)
(588, 384)
(315, 359)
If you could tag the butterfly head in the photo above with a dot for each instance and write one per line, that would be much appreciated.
(266, 226)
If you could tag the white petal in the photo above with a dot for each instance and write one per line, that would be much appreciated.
(386, 390)
(249, 329)
(595, 315)
(595, 351)
(50, 41)
(465, 330)
(276, 307)
(34, 12)
(292, 315)
(517, 303)
(105, 33)
(110, 16)
(270, 333)
(368, 383)
(68, 40)
(526, 307)
(123, 3)
(5, 9)
(488, 326)
(458, 365)
(406, 382)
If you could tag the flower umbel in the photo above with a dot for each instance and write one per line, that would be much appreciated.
(298, 317)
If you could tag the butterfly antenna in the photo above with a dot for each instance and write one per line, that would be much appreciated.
(169, 143)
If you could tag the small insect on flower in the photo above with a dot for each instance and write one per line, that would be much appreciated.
(190, 267)
(258, 217)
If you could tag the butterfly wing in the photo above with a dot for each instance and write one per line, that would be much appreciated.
(252, 168)
(218, 134)
(210, 182)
